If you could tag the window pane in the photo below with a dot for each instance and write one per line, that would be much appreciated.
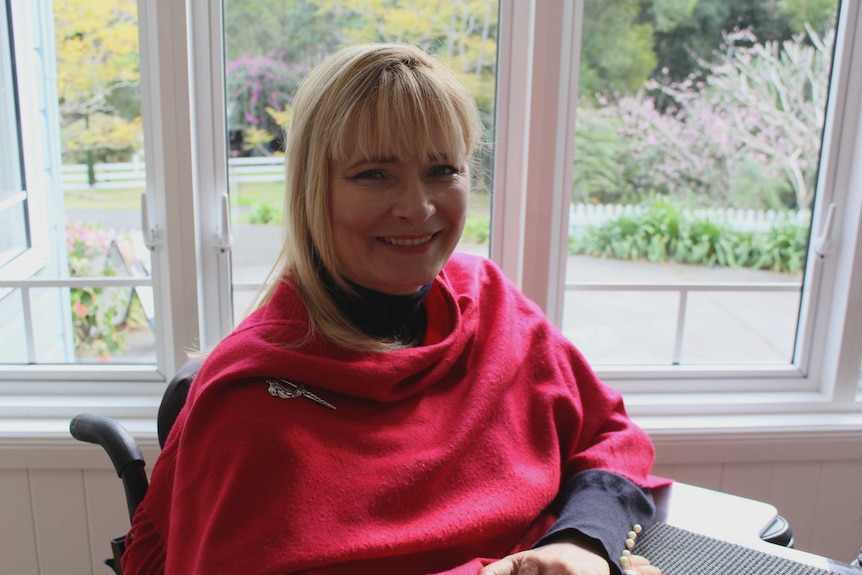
(102, 140)
(696, 153)
(13, 228)
(13, 199)
(269, 47)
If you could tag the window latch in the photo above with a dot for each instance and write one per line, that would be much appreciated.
(151, 234)
(223, 236)
(823, 244)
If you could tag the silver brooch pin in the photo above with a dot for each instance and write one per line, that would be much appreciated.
(284, 389)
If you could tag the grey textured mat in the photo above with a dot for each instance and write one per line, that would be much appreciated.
(679, 552)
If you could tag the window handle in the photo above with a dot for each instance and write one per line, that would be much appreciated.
(151, 234)
(823, 244)
(223, 237)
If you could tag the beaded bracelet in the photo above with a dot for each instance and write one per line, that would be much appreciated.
(625, 560)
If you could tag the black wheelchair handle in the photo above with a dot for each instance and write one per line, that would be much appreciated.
(113, 437)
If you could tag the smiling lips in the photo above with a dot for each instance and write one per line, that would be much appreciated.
(407, 242)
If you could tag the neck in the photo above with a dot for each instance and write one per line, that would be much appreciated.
(387, 317)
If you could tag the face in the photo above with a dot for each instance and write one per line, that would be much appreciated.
(396, 219)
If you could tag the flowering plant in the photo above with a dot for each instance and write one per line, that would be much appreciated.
(96, 311)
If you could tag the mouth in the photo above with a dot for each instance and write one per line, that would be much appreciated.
(407, 242)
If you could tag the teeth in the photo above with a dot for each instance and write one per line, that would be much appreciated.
(413, 242)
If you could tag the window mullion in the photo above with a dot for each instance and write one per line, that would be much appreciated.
(511, 127)
(209, 134)
(169, 200)
(833, 335)
(547, 129)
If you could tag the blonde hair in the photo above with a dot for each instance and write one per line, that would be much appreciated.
(375, 98)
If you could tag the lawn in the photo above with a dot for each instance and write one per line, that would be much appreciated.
(243, 195)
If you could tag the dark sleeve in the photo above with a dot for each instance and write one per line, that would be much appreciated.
(604, 507)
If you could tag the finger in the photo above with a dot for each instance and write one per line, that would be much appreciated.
(518, 564)
(506, 566)
(640, 566)
(642, 570)
(638, 560)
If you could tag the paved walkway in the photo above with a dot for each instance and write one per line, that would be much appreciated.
(614, 327)
(632, 327)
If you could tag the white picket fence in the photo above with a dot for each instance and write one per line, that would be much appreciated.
(271, 169)
(589, 215)
(131, 175)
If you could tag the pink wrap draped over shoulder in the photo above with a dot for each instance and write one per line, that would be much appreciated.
(436, 459)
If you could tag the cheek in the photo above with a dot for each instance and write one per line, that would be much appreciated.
(354, 221)
(458, 206)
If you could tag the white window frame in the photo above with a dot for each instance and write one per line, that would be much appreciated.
(536, 114)
(183, 99)
(37, 401)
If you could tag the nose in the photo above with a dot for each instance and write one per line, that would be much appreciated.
(414, 202)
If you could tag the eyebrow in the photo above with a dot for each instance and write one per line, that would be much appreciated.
(434, 157)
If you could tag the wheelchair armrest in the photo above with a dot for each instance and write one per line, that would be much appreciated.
(121, 447)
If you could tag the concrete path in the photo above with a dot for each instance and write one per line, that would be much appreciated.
(610, 327)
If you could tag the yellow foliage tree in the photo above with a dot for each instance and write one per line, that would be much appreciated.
(98, 75)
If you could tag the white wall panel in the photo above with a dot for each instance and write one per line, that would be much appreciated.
(703, 475)
(60, 521)
(793, 485)
(106, 515)
(17, 538)
(835, 526)
(750, 480)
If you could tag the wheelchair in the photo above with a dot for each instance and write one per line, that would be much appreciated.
(128, 461)
(121, 447)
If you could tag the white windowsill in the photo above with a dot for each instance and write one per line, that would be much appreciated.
(746, 427)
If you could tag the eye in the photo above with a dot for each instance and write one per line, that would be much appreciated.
(369, 175)
(444, 170)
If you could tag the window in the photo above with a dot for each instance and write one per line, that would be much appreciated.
(532, 225)
(210, 176)
(697, 146)
(271, 45)
(14, 237)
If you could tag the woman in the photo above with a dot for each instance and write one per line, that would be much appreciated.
(391, 407)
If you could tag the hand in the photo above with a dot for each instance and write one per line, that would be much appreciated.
(563, 558)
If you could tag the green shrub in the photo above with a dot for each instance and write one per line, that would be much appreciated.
(263, 213)
(783, 248)
(663, 231)
(477, 230)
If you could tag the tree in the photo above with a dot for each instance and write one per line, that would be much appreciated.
(617, 54)
(461, 33)
(98, 77)
(774, 94)
(272, 45)
(301, 32)
(816, 14)
(681, 45)
(746, 133)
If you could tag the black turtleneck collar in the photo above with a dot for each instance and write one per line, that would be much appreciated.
(380, 315)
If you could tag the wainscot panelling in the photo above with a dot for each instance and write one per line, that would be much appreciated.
(61, 502)
(60, 520)
(17, 537)
(834, 529)
(813, 481)
(106, 518)
(788, 479)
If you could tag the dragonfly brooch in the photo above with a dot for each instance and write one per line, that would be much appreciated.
(284, 389)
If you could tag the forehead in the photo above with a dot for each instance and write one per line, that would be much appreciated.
(380, 135)
(358, 155)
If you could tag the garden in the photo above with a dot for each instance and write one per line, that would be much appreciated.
(685, 108)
